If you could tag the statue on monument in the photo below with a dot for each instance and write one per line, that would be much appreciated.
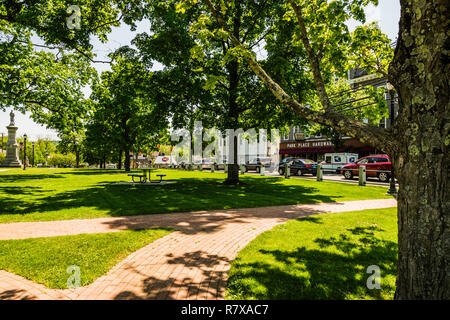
(11, 116)
(12, 149)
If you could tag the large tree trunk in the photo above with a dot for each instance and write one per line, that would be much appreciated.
(233, 112)
(127, 162)
(77, 155)
(420, 74)
(233, 169)
(119, 165)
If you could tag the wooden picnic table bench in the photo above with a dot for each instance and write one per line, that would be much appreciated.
(146, 176)
(140, 176)
(160, 177)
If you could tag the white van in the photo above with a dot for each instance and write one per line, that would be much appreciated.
(164, 161)
(335, 161)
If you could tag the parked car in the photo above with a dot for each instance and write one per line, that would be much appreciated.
(220, 165)
(376, 166)
(282, 162)
(207, 163)
(299, 167)
(335, 161)
(255, 164)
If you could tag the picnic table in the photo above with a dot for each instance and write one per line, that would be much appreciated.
(146, 176)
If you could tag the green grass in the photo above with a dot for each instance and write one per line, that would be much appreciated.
(45, 260)
(55, 194)
(320, 257)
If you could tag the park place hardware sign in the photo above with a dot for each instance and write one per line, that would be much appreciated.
(309, 144)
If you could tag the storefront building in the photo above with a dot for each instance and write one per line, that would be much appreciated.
(299, 145)
(315, 148)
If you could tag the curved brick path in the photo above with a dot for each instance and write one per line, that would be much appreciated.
(190, 263)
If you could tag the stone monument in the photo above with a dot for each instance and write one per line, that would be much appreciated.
(12, 148)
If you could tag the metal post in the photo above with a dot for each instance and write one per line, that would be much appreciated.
(287, 172)
(242, 168)
(24, 151)
(32, 164)
(213, 167)
(319, 173)
(261, 171)
(362, 175)
(392, 189)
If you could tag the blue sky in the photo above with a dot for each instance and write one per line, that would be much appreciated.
(387, 14)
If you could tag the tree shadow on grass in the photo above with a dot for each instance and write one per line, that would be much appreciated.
(20, 178)
(188, 194)
(318, 274)
(94, 171)
(21, 190)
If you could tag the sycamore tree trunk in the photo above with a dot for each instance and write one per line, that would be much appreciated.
(77, 157)
(233, 108)
(420, 73)
(126, 143)
(119, 165)
(418, 142)
(127, 162)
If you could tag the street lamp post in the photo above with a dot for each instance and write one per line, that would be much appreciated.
(392, 189)
(24, 151)
(32, 163)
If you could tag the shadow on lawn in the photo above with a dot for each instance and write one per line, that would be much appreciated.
(21, 190)
(6, 178)
(95, 171)
(321, 274)
(188, 194)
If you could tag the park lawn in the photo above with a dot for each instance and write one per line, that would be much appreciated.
(46, 260)
(58, 194)
(319, 257)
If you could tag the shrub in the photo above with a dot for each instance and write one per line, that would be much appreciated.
(2, 157)
(61, 160)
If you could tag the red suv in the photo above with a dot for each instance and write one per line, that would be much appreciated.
(376, 166)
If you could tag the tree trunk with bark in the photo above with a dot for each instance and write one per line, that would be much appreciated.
(233, 113)
(119, 165)
(77, 157)
(419, 73)
(127, 162)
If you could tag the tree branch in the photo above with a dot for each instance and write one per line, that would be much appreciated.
(255, 19)
(375, 136)
(313, 59)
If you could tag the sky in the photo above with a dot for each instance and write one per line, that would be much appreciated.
(387, 13)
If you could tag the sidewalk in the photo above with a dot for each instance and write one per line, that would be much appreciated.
(190, 263)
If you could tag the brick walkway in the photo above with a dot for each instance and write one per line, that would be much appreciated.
(190, 263)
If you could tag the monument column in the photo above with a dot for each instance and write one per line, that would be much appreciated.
(12, 148)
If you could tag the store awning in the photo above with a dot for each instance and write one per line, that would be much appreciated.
(311, 150)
